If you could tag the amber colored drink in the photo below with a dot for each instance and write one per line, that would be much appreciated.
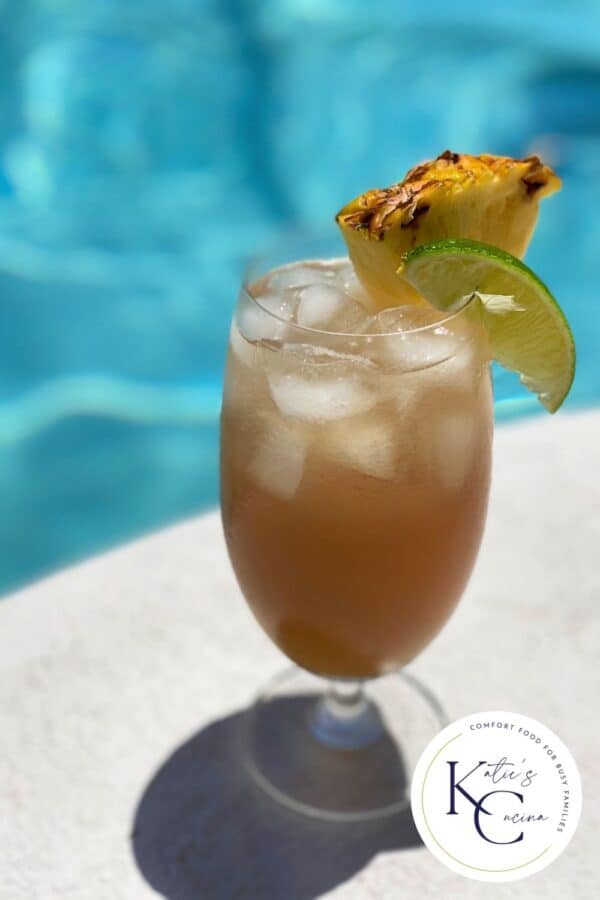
(355, 468)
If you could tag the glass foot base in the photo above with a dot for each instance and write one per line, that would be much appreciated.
(344, 760)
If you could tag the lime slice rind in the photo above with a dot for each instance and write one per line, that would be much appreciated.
(531, 336)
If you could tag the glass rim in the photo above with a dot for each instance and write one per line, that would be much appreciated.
(419, 329)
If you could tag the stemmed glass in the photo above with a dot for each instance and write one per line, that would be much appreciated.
(355, 473)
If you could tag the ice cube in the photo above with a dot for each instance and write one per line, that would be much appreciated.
(322, 355)
(317, 304)
(368, 446)
(411, 339)
(328, 308)
(278, 462)
(420, 350)
(453, 446)
(403, 319)
(265, 316)
(320, 396)
(348, 280)
(282, 304)
(295, 276)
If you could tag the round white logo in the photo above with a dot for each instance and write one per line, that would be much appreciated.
(496, 796)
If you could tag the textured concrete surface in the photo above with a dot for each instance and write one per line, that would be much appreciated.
(122, 681)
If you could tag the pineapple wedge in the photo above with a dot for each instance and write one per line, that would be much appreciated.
(493, 199)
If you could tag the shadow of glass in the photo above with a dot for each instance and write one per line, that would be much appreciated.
(284, 752)
(203, 829)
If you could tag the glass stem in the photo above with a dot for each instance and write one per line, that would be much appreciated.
(345, 718)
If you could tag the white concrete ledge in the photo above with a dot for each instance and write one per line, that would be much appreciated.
(109, 667)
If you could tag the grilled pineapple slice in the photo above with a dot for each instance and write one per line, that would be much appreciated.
(487, 198)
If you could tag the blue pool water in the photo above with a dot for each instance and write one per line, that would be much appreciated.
(147, 149)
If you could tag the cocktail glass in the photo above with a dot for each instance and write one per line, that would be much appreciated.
(355, 472)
